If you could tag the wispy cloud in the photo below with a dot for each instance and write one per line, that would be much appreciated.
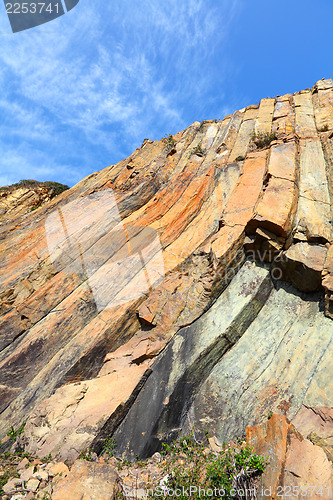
(89, 86)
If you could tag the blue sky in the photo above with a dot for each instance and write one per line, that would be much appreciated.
(83, 91)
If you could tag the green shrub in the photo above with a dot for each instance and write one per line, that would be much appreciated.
(170, 143)
(226, 474)
(109, 446)
(28, 182)
(14, 434)
(198, 150)
(46, 459)
(235, 469)
(4, 478)
(263, 140)
(55, 187)
(87, 455)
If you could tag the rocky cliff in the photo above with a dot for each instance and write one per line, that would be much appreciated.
(26, 196)
(188, 286)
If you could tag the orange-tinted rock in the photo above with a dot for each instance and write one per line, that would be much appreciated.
(323, 104)
(284, 116)
(308, 469)
(277, 206)
(305, 122)
(57, 469)
(270, 439)
(265, 116)
(62, 320)
(295, 464)
(87, 406)
(315, 420)
(240, 206)
(88, 480)
(25, 197)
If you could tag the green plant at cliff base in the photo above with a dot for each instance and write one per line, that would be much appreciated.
(14, 434)
(4, 478)
(110, 446)
(193, 470)
(87, 455)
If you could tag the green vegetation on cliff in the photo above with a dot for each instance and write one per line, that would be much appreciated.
(56, 187)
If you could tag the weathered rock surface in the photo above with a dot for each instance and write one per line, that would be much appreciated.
(127, 305)
(279, 364)
(88, 480)
(26, 196)
(297, 468)
(185, 364)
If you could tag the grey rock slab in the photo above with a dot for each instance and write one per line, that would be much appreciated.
(305, 121)
(187, 361)
(281, 362)
(313, 212)
(243, 139)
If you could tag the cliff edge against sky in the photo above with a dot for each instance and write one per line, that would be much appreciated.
(188, 285)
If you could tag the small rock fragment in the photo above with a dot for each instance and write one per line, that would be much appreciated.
(19, 496)
(56, 469)
(157, 457)
(10, 486)
(27, 474)
(32, 484)
(42, 475)
(23, 464)
(213, 444)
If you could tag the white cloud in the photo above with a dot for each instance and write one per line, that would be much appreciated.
(114, 72)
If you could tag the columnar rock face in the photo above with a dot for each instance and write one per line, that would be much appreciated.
(298, 468)
(189, 285)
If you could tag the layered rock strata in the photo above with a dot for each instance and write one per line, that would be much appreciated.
(26, 196)
(136, 279)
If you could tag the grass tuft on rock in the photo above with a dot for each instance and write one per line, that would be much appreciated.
(170, 144)
(263, 140)
(55, 188)
(198, 150)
